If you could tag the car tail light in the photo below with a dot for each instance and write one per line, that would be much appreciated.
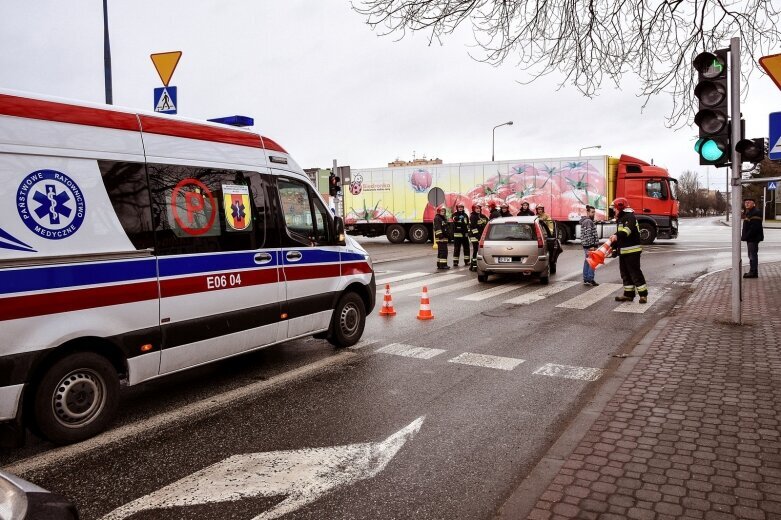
(540, 241)
(482, 238)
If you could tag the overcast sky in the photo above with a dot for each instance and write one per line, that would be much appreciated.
(321, 83)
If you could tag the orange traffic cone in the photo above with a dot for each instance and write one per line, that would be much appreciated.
(425, 307)
(387, 303)
(597, 258)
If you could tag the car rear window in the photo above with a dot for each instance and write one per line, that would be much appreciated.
(511, 232)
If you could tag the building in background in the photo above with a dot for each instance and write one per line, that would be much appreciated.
(414, 162)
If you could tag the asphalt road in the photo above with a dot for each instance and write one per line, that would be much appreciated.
(425, 419)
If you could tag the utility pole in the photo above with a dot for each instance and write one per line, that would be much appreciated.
(737, 188)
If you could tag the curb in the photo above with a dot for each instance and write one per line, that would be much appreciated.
(523, 499)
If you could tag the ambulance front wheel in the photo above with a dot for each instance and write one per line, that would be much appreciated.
(76, 399)
(348, 321)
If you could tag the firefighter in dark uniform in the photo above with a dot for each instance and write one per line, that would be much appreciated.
(626, 242)
(494, 213)
(441, 236)
(460, 234)
(477, 223)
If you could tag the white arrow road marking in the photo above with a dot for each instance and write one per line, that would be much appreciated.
(303, 475)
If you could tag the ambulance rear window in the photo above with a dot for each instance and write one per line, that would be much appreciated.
(201, 210)
(127, 189)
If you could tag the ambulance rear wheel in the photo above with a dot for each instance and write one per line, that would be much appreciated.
(76, 398)
(348, 321)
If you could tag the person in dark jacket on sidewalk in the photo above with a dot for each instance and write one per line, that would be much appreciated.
(441, 236)
(752, 234)
(477, 223)
(626, 242)
(589, 241)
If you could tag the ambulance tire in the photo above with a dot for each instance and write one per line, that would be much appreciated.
(76, 399)
(348, 321)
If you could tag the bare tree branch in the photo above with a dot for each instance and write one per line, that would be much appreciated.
(589, 41)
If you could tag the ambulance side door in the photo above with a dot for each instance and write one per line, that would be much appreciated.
(309, 257)
(220, 291)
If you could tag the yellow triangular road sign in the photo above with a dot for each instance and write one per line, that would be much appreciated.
(165, 63)
(772, 65)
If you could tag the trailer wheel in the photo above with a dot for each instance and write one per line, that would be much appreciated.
(76, 398)
(647, 233)
(418, 234)
(395, 234)
(562, 233)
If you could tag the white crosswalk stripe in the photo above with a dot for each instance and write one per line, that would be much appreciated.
(452, 287)
(654, 295)
(400, 277)
(591, 296)
(539, 294)
(495, 291)
(484, 360)
(569, 372)
(430, 280)
(399, 349)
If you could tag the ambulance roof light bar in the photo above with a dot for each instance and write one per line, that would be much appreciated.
(241, 121)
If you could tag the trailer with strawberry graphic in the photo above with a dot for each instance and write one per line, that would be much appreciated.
(400, 202)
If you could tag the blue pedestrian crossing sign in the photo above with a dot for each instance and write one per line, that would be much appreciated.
(772, 185)
(774, 142)
(165, 100)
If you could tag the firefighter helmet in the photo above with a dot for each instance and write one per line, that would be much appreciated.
(620, 204)
(441, 209)
(476, 206)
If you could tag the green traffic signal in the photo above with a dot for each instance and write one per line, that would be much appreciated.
(710, 149)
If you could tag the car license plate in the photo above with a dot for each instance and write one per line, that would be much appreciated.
(505, 259)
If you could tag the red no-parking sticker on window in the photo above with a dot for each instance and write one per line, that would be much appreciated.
(193, 209)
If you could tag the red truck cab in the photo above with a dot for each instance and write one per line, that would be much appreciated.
(652, 193)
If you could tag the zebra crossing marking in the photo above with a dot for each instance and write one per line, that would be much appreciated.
(569, 372)
(452, 287)
(487, 361)
(654, 295)
(399, 349)
(495, 291)
(539, 294)
(591, 296)
(363, 343)
(427, 281)
(399, 278)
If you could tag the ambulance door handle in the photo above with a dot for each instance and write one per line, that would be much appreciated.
(293, 256)
(262, 258)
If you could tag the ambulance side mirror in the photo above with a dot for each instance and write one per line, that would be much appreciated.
(339, 231)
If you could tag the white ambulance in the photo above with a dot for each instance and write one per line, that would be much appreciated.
(134, 245)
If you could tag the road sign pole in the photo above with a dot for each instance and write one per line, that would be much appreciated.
(107, 56)
(764, 202)
(737, 189)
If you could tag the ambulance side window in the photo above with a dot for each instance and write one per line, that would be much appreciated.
(127, 189)
(306, 218)
(204, 210)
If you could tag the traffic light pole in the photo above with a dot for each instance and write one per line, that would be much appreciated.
(737, 189)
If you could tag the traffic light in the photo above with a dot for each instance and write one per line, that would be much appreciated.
(751, 150)
(712, 116)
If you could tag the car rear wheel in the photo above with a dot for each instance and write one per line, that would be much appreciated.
(76, 398)
(348, 321)
(482, 277)
(418, 234)
(395, 234)
(545, 276)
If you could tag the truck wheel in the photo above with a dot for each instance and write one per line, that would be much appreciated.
(76, 399)
(647, 233)
(418, 234)
(395, 234)
(348, 321)
(562, 234)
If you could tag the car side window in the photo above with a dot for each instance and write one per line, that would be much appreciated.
(199, 210)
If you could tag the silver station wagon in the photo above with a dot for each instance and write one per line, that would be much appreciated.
(518, 245)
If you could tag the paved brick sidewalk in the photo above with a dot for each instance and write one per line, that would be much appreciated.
(695, 429)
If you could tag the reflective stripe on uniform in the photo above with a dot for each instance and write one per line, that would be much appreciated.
(642, 288)
(622, 229)
(633, 249)
(458, 235)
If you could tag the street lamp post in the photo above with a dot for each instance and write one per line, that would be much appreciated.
(493, 137)
(107, 56)
(580, 153)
